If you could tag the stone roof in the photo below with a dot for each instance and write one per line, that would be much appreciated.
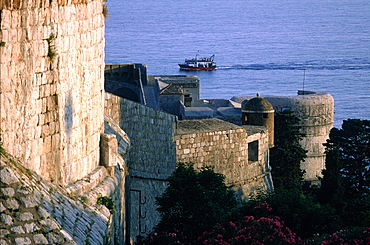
(204, 125)
(251, 129)
(258, 104)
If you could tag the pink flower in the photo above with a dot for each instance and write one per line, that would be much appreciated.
(232, 224)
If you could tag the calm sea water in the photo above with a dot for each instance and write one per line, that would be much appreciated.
(261, 46)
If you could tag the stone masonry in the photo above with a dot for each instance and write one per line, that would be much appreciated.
(37, 212)
(238, 152)
(51, 90)
(151, 158)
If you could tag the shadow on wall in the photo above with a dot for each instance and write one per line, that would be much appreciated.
(126, 81)
(68, 120)
(68, 115)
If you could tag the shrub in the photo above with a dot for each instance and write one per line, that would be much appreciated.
(108, 202)
(194, 201)
(252, 230)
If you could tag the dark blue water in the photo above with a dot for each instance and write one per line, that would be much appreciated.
(261, 46)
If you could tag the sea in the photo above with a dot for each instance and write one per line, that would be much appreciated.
(261, 46)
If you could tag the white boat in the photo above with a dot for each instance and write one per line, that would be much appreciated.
(199, 63)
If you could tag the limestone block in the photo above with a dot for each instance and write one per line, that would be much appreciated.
(6, 219)
(108, 150)
(6, 55)
(7, 176)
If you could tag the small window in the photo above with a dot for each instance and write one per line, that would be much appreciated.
(188, 100)
(265, 115)
(253, 151)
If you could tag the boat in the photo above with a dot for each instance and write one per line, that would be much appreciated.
(199, 64)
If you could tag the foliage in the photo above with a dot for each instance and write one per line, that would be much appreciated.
(287, 155)
(105, 10)
(108, 202)
(84, 199)
(299, 212)
(346, 178)
(194, 201)
(2, 150)
(51, 50)
(344, 198)
(353, 236)
(251, 230)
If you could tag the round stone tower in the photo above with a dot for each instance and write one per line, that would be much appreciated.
(259, 112)
(316, 113)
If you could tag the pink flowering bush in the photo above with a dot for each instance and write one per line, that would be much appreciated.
(249, 230)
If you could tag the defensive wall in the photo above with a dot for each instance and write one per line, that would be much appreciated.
(35, 211)
(316, 113)
(53, 119)
(51, 90)
(151, 158)
(127, 81)
(238, 152)
(52, 125)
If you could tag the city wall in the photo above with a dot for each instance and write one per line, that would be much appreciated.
(151, 158)
(239, 153)
(35, 211)
(51, 90)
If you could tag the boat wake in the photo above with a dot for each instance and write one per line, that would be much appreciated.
(340, 64)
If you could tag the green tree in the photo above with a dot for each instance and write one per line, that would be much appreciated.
(194, 201)
(331, 191)
(346, 178)
(287, 154)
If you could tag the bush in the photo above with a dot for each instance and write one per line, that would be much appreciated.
(351, 236)
(252, 230)
(298, 211)
(194, 202)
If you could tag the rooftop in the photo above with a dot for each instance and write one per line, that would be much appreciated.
(204, 125)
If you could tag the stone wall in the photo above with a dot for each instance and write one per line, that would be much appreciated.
(126, 81)
(152, 136)
(151, 158)
(34, 211)
(51, 90)
(316, 113)
(239, 153)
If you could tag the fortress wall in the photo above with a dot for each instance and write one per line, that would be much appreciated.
(151, 158)
(112, 107)
(52, 216)
(226, 148)
(52, 85)
(152, 136)
(316, 113)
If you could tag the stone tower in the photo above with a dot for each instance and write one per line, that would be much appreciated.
(259, 112)
(316, 113)
(52, 85)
